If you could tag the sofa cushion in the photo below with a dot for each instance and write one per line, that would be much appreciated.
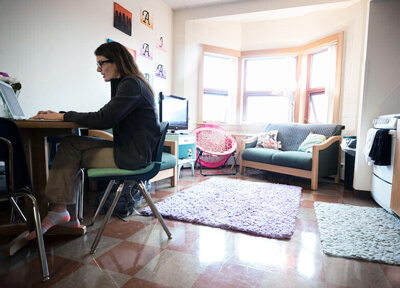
(292, 135)
(168, 161)
(262, 155)
(293, 159)
(311, 140)
(268, 140)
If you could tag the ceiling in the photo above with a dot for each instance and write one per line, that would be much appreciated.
(184, 4)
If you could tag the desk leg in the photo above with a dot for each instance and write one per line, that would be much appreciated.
(40, 170)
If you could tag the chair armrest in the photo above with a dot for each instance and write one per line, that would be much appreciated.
(173, 146)
(100, 134)
(326, 157)
(324, 145)
(249, 142)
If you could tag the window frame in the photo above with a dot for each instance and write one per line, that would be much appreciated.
(279, 53)
(303, 91)
(311, 91)
(218, 51)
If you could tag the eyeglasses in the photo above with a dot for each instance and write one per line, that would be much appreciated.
(100, 63)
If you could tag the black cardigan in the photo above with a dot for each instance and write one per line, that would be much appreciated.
(133, 115)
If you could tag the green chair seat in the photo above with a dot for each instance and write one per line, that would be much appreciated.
(168, 161)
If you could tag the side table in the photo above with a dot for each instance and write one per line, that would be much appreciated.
(186, 149)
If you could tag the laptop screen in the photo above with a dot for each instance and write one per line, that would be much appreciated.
(10, 99)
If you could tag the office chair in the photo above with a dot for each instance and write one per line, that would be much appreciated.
(18, 181)
(138, 176)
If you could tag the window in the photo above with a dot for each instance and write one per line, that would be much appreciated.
(299, 84)
(218, 85)
(320, 78)
(269, 84)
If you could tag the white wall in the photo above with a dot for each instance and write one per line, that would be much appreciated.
(266, 31)
(382, 78)
(48, 45)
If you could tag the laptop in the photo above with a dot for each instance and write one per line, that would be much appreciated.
(11, 101)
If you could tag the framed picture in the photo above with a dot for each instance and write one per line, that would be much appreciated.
(146, 17)
(122, 19)
(133, 52)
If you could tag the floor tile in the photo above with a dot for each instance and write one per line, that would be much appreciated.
(392, 273)
(307, 204)
(127, 257)
(79, 249)
(90, 276)
(173, 268)
(137, 253)
(224, 275)
(30, 274)
(206, 243)
(354, 273)
(327, 198)
(122, 229)
(277, 279)
(140, 283)
(154, 235)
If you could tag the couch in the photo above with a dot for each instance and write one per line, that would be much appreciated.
(322, 162)
(168, 167)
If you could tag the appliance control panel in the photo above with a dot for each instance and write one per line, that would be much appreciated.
(386, 121)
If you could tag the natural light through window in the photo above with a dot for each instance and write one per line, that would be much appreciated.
(319, 72)
(218, 82)
(269, 89)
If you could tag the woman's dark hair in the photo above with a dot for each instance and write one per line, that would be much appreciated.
(126, 65)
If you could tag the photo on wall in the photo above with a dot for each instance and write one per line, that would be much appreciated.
(145, 51)
(146, 18)
(133, 52)
(149, 77)
(122, 19)
(161, 71)
(160, 43)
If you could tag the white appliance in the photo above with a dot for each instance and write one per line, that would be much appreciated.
(383, 175)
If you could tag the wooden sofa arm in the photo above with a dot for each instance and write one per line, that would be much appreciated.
(243, 142)
(100, 134)
(326, 143)
(249, 140)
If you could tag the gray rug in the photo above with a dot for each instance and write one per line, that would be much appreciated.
(365, 233)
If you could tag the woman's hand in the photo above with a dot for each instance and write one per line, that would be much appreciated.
(49, 115)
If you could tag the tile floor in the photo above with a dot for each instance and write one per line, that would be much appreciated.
(137, 253)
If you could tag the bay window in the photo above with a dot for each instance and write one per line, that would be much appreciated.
(299, 84)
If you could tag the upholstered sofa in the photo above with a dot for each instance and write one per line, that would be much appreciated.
(322, 162)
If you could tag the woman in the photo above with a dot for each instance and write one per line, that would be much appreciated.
(132, 114)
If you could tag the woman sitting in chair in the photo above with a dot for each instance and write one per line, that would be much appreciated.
(132, 114)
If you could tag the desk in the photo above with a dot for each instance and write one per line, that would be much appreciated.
(34, 135)
(186, 149)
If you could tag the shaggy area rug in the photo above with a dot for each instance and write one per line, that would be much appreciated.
(263, 209)
(359, 232)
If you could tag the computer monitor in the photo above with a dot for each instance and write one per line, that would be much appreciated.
(174, 110)
(11, 101)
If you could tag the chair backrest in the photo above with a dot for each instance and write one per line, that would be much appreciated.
(157, 162)
(214, 140)
(21, 176)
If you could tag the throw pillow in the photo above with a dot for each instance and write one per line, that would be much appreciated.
(311, 140)
(269, 140)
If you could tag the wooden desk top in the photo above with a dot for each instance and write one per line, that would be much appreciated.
(45, 124)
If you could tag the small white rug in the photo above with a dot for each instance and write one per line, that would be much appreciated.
(359, 232)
